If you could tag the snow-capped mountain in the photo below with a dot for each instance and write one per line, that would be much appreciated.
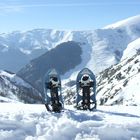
(129, 22)
(14, 89)
(101, 48)
(18, 48)
(120, 84)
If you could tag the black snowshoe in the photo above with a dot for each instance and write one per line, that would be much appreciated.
(86, 90)
(53, 97)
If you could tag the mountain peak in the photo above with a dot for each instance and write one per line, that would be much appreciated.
(126, 22)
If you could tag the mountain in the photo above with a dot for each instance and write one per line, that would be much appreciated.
(126, 23)
(104, 45)
(18, 48)
(100, 49)
(14, 89)
(118, 84)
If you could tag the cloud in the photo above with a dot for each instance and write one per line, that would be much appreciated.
(18, 7)
(8, 9)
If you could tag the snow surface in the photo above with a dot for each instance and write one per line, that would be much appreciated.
(14, 78)
(33, 122)
(123, 86)
(131, 49)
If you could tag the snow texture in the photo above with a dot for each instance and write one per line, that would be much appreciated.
(120, 84)
(33, 122)
(131, 49)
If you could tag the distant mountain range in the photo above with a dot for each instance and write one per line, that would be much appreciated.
(100, 48)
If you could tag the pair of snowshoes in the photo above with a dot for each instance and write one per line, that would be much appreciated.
(86, 91)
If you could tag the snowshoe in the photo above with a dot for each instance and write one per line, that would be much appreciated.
(52, 91)
(86, 90)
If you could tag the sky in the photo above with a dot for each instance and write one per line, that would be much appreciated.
(25, 15)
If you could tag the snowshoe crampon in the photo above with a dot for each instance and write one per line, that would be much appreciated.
(52, 91)
(86, 90)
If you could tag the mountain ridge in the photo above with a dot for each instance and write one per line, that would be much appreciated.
(102, 43)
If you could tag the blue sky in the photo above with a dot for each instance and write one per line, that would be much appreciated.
(64, 14)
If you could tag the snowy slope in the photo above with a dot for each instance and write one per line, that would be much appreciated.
(14, 89)
(120, 84)
(131, 49)
(33, 122)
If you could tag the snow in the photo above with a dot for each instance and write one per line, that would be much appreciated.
(14, 78)
(122, 83)
(27, 52)
(8, 100)
(33, 122)
(129, 21)
(132, 91)
(131, 49)
(4, 73)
